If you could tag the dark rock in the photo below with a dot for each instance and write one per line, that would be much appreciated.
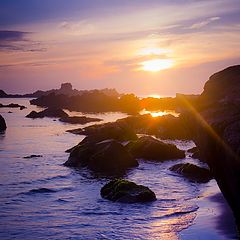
(192, 172)
(121, 190)
(152, 149)
(3, 125)
(33, 156)
(49, 112)
(79, 120)
(108, 157)
(12, 105)
(116, 130)
(216, 131)
(195, 153)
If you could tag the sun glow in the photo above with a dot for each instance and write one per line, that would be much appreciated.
(156, 65)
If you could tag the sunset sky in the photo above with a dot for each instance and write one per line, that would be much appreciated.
(140, 46)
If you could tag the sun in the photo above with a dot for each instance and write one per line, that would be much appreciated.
(156, 65)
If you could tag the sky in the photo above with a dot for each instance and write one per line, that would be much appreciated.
(146, 47)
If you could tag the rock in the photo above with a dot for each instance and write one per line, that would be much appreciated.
(192, 172)
(12, 105)
(79, 120)
(109, 157)
(195, 153)
(152, 149)
(33, 156)
(121, 190)
(116, 130)
(216, 130)
(49, 112)
(3, 125)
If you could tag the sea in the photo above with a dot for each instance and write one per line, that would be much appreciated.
(40, 198)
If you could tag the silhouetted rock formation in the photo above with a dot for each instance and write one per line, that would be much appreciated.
(100, 132)
(216, 131)
(12, 105)
(108, 157)
(49, 112)
(65, 89)
(165, 127)
(192, 172)
(152, 149)
(79, 120)
(121, 190)
(3, 125)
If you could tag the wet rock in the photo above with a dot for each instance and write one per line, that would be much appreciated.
(3, 125)
(150, 148)
(33, 156)
(121, 190)
(79, 120)
(192, 172)
(109, 157)
(117, 131)
(49, 112)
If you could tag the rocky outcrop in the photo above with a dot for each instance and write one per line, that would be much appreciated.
(3, 125)
(164, 127)
(192, 172)
(49, 112)
(108, 157)
(121, 190)
(79, 120)
(216, 130)
(116, 130)
(152, 149)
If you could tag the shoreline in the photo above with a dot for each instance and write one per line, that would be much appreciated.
(214, 218)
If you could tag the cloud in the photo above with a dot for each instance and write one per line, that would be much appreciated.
(204, 23)
(18, 41)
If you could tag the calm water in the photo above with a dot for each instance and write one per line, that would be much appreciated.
(42, 199)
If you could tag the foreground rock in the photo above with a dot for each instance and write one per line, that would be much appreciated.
(108, 157)
(116, 130)
(49, 112)
(152, 149)
(3, 125)
(216, 131)
(192, 172)
(79, 120)
(120, 190)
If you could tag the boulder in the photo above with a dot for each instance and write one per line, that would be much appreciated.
(49, 112)
(32, 156)
(120, 190)
(150, 148)
(109, 157)
(215, 127)
(79, 120)
(192, 172)
(3, 125)
(116, 130)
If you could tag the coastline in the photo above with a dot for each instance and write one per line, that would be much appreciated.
(214, 218)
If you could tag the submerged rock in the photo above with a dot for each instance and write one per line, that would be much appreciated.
(109, 157)
(150, 148)
(192, 172)
(33, 156)
(12, 105)
(3, 125)
(79, 120)
(49, 112)
(121, 190)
